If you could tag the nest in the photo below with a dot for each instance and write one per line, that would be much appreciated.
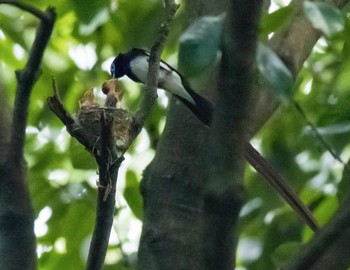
(122, 120)
(90, 115)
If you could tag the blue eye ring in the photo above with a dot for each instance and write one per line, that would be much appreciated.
(113, 70)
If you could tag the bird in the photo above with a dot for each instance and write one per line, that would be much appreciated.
(134, 64)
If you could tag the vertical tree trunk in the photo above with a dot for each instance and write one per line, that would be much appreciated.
(172, 187)
(172, 197)
(17, 244)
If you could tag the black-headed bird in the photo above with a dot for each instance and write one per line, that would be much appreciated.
(134, 64)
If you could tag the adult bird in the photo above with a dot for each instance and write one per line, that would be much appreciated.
(134, 64)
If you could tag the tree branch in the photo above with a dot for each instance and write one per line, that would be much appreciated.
(26, 79)
(154, 59)
(320, 138)
(108, 164)
(73, 128)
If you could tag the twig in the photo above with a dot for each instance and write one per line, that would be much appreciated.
(57, 107)
(26, 79)
(156, 51)
(73, 128)
(324, 143)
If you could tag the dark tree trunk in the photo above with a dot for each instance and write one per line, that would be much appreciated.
(172, 196)
(17, 245)
(181, 221)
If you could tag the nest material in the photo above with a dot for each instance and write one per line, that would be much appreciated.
(89, 117)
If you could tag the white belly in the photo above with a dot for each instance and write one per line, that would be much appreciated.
(168, 79)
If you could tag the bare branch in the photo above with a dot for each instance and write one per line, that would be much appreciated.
(156, 51)
(73, 128)
(25, 81)
(323, 142)
(108, 163)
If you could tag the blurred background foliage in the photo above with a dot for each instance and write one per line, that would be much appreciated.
(62, 175)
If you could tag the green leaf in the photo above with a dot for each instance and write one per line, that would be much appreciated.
(335, 129)
(101, 17)
(13, 32)
(274, 71)
(91, 14)
(272, 22)
(323, 213)
(7, 55)
(199, 44)
(326, 209)
(285, 252)
(132, 194)
(324, 17)
(80, 157)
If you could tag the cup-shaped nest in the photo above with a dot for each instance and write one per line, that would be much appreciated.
(89, 118)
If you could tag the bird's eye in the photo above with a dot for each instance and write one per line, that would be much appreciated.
(113, 70)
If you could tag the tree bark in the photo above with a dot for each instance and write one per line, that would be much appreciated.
(17, 245)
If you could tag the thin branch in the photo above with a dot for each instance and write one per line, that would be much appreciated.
(323, 142)
(73, 128)
(29, 8)
(156, 51)
(57, 107)
(25, 82)
(109, 164)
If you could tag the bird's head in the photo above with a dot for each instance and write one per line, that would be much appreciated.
(118, 66)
